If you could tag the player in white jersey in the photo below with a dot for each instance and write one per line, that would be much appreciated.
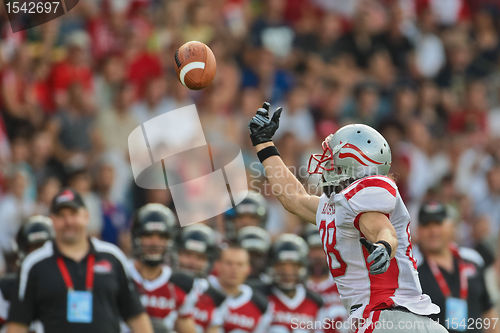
(362, 221)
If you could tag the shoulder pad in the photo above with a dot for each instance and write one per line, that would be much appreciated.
(217, 296)
(373, 193)
(260, 300)
(382, 183)
(183, 281)
(471, 255)
(257, 284)
(314, 297)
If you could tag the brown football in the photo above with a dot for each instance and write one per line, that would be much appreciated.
(195, 65)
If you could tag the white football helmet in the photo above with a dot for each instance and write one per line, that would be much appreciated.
(354, 151)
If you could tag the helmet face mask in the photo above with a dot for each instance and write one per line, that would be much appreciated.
(289, 256)
(257, 242)
(196, 250)
(152, 248)
(353, 152)
(288, 274)
(153, 229)
(193, 262)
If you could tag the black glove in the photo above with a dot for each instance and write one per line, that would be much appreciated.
(261, 127)
(379, 258)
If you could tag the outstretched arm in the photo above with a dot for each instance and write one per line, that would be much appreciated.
(285, 186)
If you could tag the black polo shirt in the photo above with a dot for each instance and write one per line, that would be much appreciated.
(478, 299)
(42, 293)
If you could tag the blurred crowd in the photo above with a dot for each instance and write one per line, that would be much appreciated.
(423, 72)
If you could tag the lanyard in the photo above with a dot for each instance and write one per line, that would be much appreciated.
(89, 281)
(464, 284)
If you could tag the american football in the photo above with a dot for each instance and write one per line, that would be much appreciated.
(195, 65)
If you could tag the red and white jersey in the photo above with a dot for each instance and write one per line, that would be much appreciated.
(247, 312)
(210, 308)
(337, 219)
(327, 289)
(290, 314)
(169, 296)
(333, 309)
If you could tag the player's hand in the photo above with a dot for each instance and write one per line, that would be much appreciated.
(379, 258)
(262, 128)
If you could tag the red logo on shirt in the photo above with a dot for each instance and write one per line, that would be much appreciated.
(102, 266)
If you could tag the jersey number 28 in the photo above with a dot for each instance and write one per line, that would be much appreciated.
(329, 239)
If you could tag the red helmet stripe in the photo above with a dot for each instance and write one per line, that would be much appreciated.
(344, 155)
(349, 145)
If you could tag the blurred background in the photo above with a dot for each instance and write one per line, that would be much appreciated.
(425, 73)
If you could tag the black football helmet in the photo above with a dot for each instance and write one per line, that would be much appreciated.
(199, 238)
(316, 264)
(254, 204)
(288, 248)
(152, 219)
(312, 237)
(254, 239)
(257, 242)
(251, 211)
(33, 234)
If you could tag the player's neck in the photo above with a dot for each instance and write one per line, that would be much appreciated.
(443, 258)
(290, 293)
(230, 290)
(148, 272)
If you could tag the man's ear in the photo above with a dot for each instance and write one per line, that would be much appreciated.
(248, 269)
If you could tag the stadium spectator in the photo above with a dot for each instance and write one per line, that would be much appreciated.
(15, 206)
(81, 181)
(114, 124)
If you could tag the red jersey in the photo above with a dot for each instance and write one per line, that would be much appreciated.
(327, 289)
(291, 313)
(210, 308)
(332, 310)
(247, 312)
(167, 297)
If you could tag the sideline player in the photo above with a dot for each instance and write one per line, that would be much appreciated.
(31, 236)
(251, 211)
(168, 296)
(294, 306)
(247, 309)
(321, 282)
(196, 251)
(362, 221)
(257, 242)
